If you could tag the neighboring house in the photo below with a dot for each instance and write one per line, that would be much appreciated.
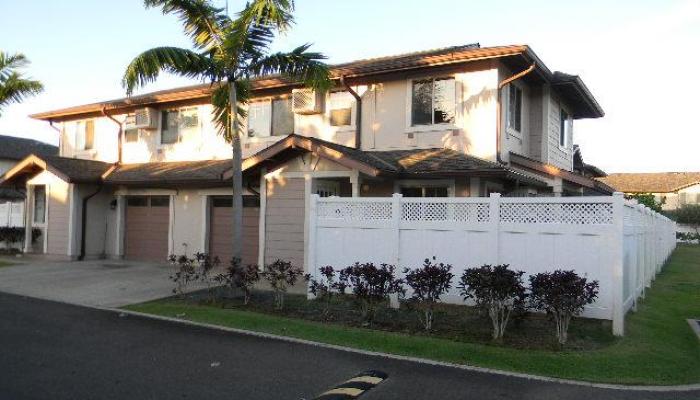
(12, 150)
(146, 176)
(675, 189)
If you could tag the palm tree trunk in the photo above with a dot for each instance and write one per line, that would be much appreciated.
(237, 245)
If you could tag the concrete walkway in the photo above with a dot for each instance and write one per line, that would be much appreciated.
(103, 283)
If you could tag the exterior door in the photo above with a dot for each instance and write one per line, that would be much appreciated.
(221, 229)
(147, 226)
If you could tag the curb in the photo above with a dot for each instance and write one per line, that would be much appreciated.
(639, 388)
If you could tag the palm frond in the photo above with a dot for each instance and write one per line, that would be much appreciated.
(222, 106)
(202, 22)
(276, 13)
(146, 67)
(14, 89)
(246, 43)
(11, 62)
(299, 64)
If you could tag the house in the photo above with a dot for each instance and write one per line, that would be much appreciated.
(147, 176)
(12, 150)
(674, 189)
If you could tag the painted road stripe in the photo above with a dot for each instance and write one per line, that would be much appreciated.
(354, 387)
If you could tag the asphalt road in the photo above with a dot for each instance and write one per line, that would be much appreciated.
(56, 351)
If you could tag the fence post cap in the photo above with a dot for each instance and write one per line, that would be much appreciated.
(397, 195)
(618, 194)
(495, 194)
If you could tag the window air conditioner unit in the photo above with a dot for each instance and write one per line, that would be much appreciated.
(307, 101)
(143, 118)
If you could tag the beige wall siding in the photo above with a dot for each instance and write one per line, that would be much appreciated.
(557, 156)
(58, 221)
(284, 220)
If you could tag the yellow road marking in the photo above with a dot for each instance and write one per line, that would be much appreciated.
(346, 391)
(366, 379)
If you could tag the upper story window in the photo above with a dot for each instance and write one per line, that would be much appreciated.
(85, 135)
(131, 135)
(340, 109)
(433, 101)
(564, 128)
(282, 117)
(270, 117)
(39, 204)
(515, 107)
(175, 123)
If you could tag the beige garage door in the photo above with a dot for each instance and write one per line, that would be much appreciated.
(221, 231)
(147, 221)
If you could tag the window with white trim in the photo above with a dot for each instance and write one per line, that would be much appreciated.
(564, 128)
(425, 190)
(85, 134)
(340, 109)
(178, 123)
(515, 107)
(39, 204)
(433, 101)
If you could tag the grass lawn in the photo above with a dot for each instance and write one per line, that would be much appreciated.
(659, 347)
(6, 263)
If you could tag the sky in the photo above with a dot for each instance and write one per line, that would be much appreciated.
(638, 57)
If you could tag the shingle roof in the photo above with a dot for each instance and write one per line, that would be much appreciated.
(164, 173)
(16, 148)
(653, 182)
(77, 170)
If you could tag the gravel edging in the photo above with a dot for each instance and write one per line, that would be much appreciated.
(674, 388)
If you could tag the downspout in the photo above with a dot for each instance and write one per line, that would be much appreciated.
(83, 222)
(358, 113)
(119, 137)
(499, 108)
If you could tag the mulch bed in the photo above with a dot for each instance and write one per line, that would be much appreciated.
(461, 323)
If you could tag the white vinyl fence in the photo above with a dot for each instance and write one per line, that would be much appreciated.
(11, 215)
(621, 244)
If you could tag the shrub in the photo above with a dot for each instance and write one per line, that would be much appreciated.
(185, 273)
(205, 263)
(428, 283)
(497, 289)
(281, 275)
(324, 287)
(371, 285)
(15, 234)
(562, 294)
(241, 277)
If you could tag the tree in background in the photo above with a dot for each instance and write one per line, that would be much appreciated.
(229, 53)
(14, 87)
(648, 200)
(688, 214)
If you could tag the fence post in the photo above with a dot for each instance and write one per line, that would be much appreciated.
(494, 225)
(311, 245)
(617, 248)
(395, 241)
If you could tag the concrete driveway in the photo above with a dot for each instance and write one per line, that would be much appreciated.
(104, 283)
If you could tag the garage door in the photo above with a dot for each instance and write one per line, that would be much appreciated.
(221, 231)
(147, 224)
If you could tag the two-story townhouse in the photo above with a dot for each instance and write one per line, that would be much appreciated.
(147, 176)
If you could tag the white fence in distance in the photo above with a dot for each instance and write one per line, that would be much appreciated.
(621, 244)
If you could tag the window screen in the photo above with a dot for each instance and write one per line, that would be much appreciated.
(282, 117)
(515, 105)
(169, 127)
(40, 204)
(341, 109)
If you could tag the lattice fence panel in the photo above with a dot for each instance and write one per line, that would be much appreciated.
(430, 211)
(557, 213)
(353, 211)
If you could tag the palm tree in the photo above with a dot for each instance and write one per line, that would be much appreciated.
(13, 86)
(229, 53)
